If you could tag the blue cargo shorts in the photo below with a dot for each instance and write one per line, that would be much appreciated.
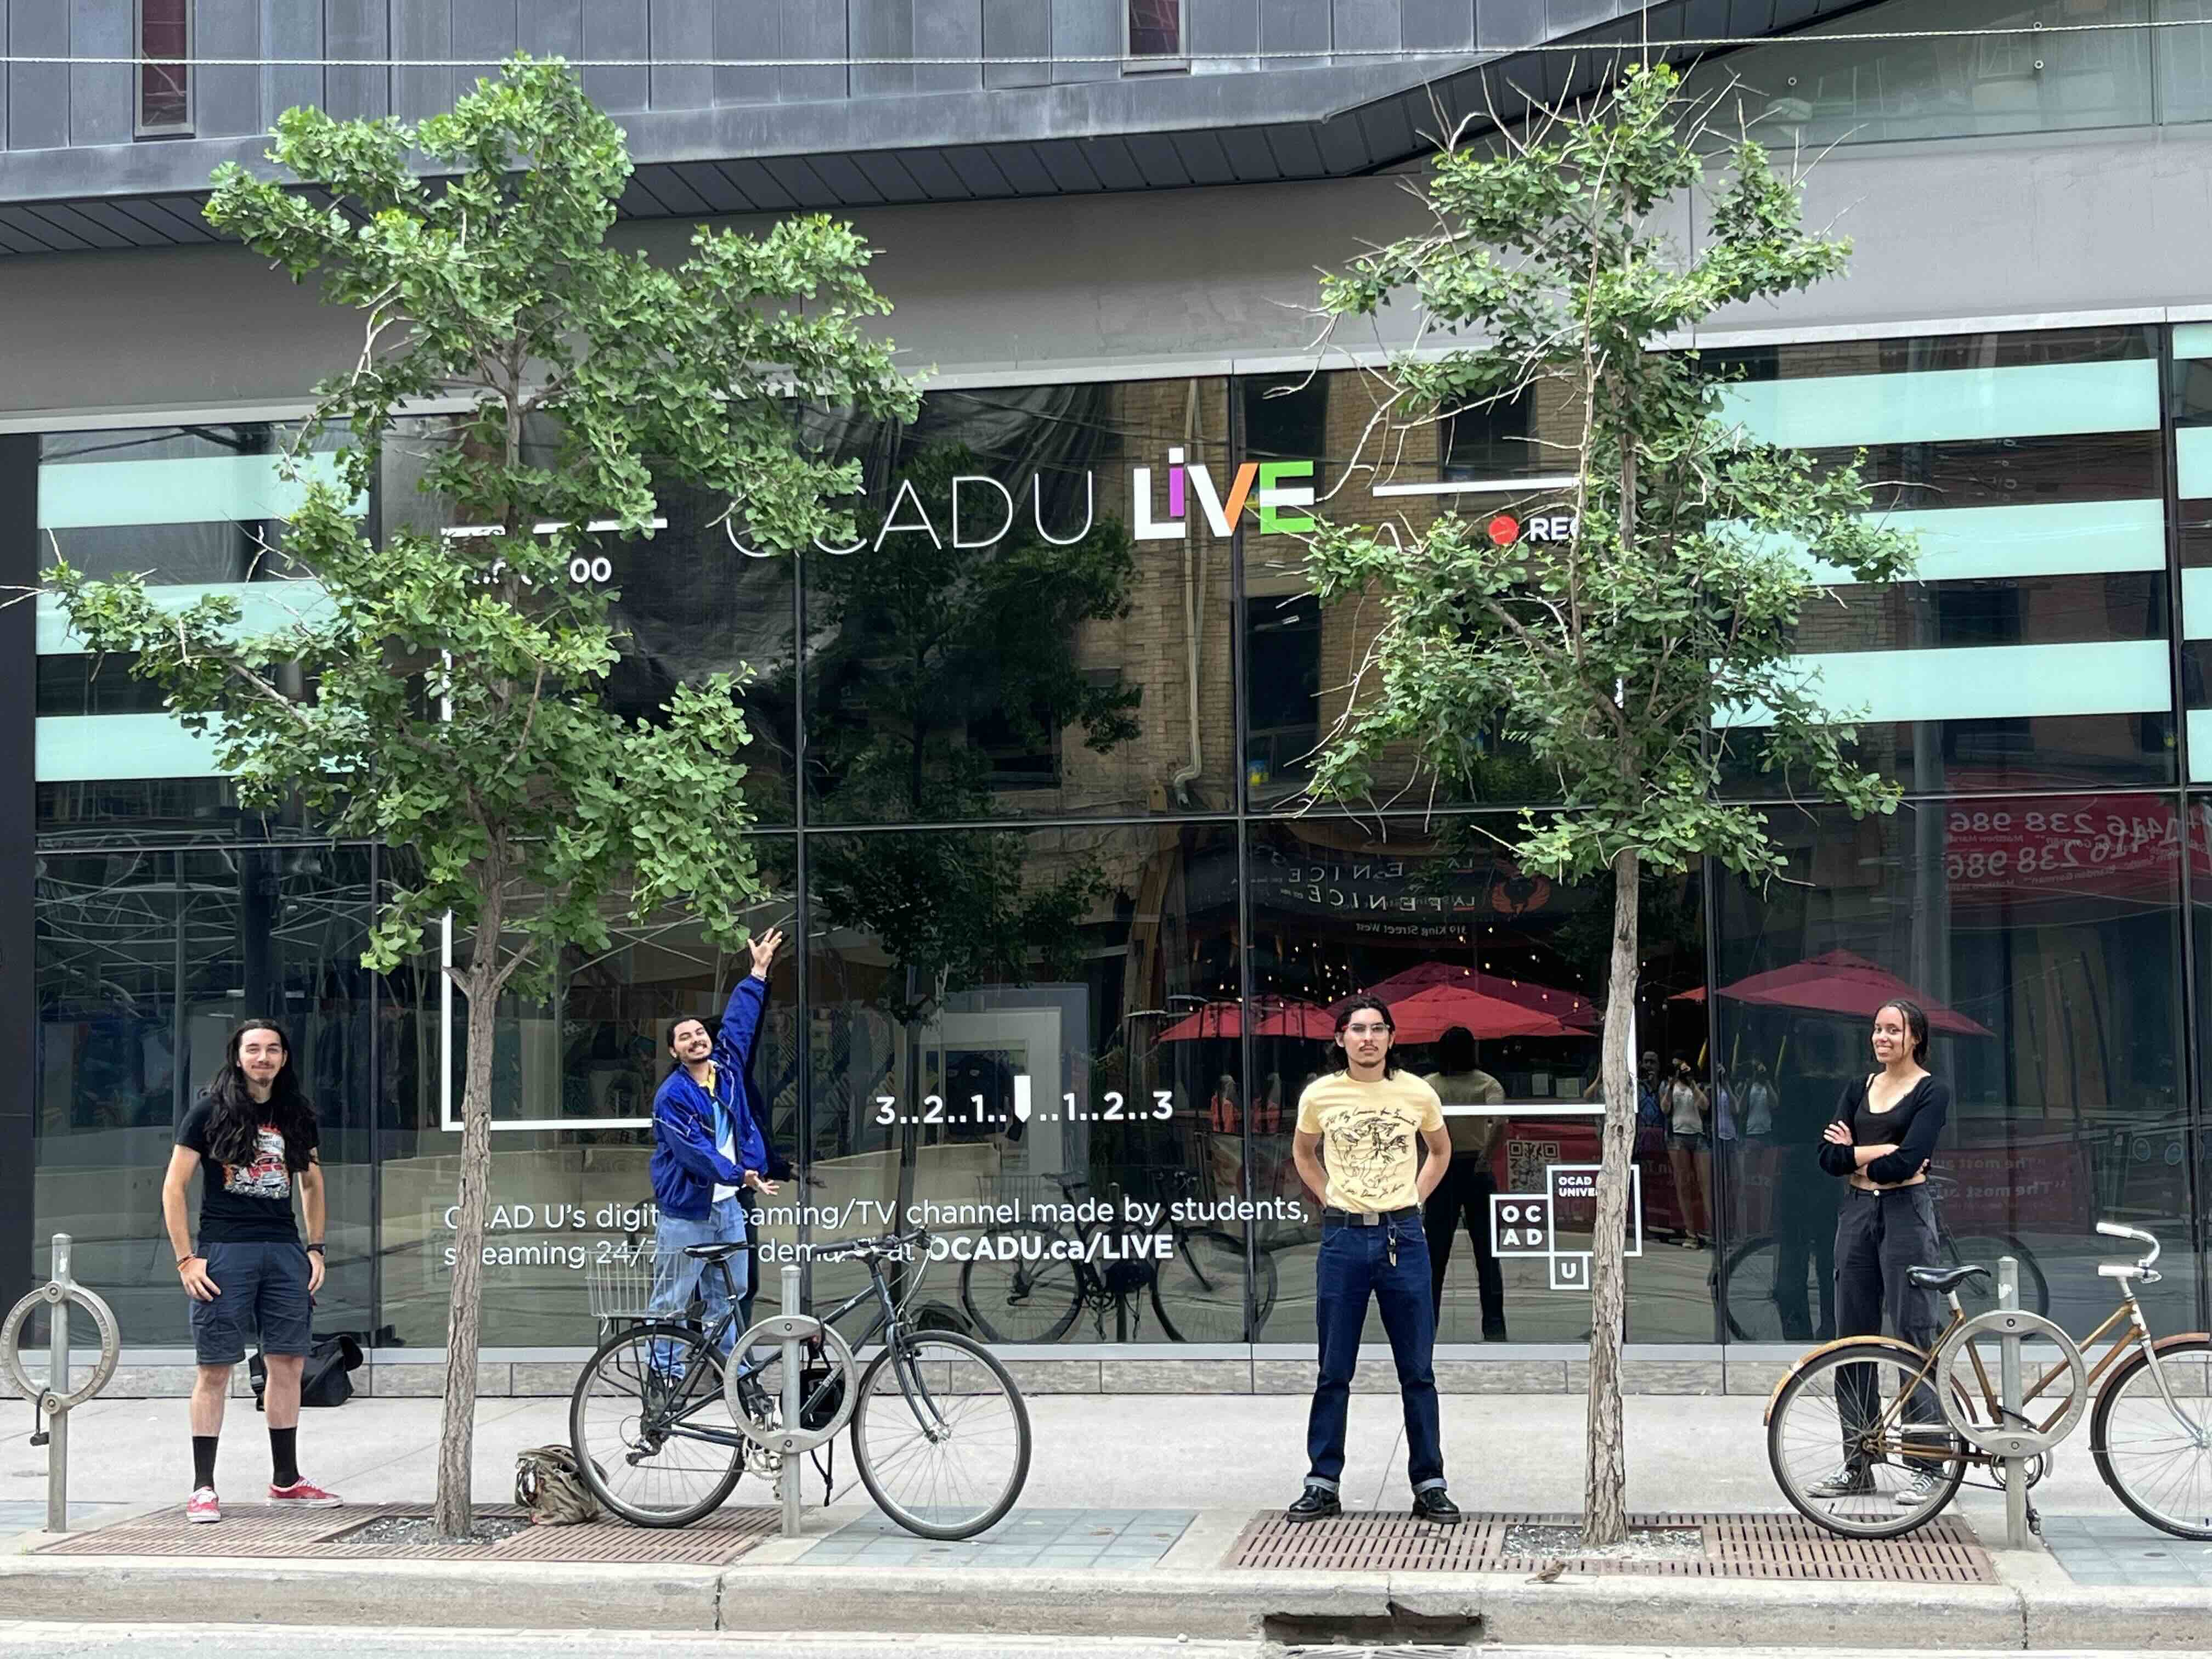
(262, 1292)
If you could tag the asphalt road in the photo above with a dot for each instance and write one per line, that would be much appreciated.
(53, 1641)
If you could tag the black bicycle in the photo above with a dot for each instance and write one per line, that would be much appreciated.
(661, 1423)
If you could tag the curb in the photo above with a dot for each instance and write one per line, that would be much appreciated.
(1617, 1610)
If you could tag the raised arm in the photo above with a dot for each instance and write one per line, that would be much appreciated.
(741, 1019)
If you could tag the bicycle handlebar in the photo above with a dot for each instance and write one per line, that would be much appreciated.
(2114, 1229)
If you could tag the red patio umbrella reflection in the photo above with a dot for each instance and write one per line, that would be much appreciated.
(1564, 1005)
(1278, 1018)
(1427, 1015)
(1840, 983)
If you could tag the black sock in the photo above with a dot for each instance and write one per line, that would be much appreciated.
(202, 1461)
(284, 1457)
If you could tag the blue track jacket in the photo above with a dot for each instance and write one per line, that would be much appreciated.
(686, 1167)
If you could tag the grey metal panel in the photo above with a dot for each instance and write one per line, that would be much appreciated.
(888, 175)
(291, 30)
(134, 231)
(682, 28)
(637, 200)
(188, 214)
(1066, 160)
(1023, 170)
(69, 222)
(1246, 150)
(1017, 28)
(674, 192)
(801, 182)
(1296, 150)
(1366, 25)
(1295, 26)
(3, 83)
(978, 172)
(1437, 25)
(38, 93)
(618, 28)
(881, 28)
(757, 182)
(15, 242)
(1221, 27)
(225, 101)
(550, 28)
(484, 32)
(1507, 23)
(1567, 16)
(1343, 146)
(1157, 160)
(1203, 158)
(357, 28)
(747, 29)
(713, 186)
(812, 28)
(421, 28)
(1791, 14)
(843, 176)
(99, 94)
(1087, 28)
(938, 182)
(1110, 160)
(1388, 130)
(948, 28)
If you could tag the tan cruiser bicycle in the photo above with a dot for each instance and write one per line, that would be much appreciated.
(1871, 1436)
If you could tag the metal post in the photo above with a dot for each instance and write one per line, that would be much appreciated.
(2009, 1391)
(787, 1477)
(57, 1381)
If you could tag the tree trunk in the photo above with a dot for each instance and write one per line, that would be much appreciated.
(1605, 1484)
(465, 1308)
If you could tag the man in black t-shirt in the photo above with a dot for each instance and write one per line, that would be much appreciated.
(249, 1277)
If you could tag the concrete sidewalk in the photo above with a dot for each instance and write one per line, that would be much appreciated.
(1214, 1461)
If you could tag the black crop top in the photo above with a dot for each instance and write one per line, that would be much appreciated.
(1913, 1124)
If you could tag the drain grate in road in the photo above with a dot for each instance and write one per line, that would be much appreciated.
(261, 1529)
(1946, 1552)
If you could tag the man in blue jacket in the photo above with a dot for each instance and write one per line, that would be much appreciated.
(708, 1149)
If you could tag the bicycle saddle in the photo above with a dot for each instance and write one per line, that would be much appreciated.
(718, 1252)
(1944, 1279)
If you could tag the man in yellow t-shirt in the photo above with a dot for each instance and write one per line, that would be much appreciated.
(1463, 1195)
(1360, 1137)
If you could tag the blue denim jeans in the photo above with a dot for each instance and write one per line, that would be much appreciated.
(678, 1276)
(1355, 1261)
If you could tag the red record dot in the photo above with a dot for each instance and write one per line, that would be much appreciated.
(1504, 530)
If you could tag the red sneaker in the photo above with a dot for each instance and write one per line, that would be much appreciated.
(203, 1507)
(302, 1494)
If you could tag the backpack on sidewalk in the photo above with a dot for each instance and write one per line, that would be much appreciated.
(324, 1380)
(546, 1484)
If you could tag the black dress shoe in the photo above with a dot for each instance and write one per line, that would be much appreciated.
(1314, 1504)
(1434, 1505)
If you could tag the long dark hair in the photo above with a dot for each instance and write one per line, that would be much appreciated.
(1344, 1018)
(1916, 1023)
(234, 1125)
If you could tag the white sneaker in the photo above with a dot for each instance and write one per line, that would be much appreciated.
(1919, 1487)
(1850, 1480)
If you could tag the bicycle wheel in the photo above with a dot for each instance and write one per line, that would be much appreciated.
(1983, 1249)
(940, 1435)
(1198, 1290)
(1838, 1448)
(1754, 1295)
(2157, 1463)
(1015, 1291)
(626, 1422)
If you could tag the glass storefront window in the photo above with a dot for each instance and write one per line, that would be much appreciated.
(2040, 934)
(1440, 923)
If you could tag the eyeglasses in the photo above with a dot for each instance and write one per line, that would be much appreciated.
(1366, 1031)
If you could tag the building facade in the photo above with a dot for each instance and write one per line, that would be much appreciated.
(1029, 754)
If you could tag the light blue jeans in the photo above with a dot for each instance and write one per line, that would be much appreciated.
(678, 1276)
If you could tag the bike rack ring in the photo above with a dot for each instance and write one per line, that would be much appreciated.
(2011, 1440)
(103, 1320)
(776, 1331)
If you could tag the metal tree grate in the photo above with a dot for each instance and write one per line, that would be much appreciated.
(261, 1529)
(1945, 1551)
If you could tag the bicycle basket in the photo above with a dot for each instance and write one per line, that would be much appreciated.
(619, 1283)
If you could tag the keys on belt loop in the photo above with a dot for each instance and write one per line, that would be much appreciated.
(1390, 1244)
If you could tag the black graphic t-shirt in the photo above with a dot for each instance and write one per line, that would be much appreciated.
(242, 1204)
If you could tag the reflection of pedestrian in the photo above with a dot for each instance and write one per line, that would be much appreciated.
(1225, 1123)
(1803, 1217)
(1758, 1103)
(1880, 1141)
(1360, 1137)
(1464, 1193)
(1687, 1138)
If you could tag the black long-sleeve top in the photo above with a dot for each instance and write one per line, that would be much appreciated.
(1913, 1124)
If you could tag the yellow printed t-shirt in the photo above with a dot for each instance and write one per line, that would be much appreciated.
(1370, 1137)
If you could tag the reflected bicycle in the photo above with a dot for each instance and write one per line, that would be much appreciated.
(1871, 1436)
(662, 1425)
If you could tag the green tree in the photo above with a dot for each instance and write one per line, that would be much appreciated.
(1614, 654)
(445, 697)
